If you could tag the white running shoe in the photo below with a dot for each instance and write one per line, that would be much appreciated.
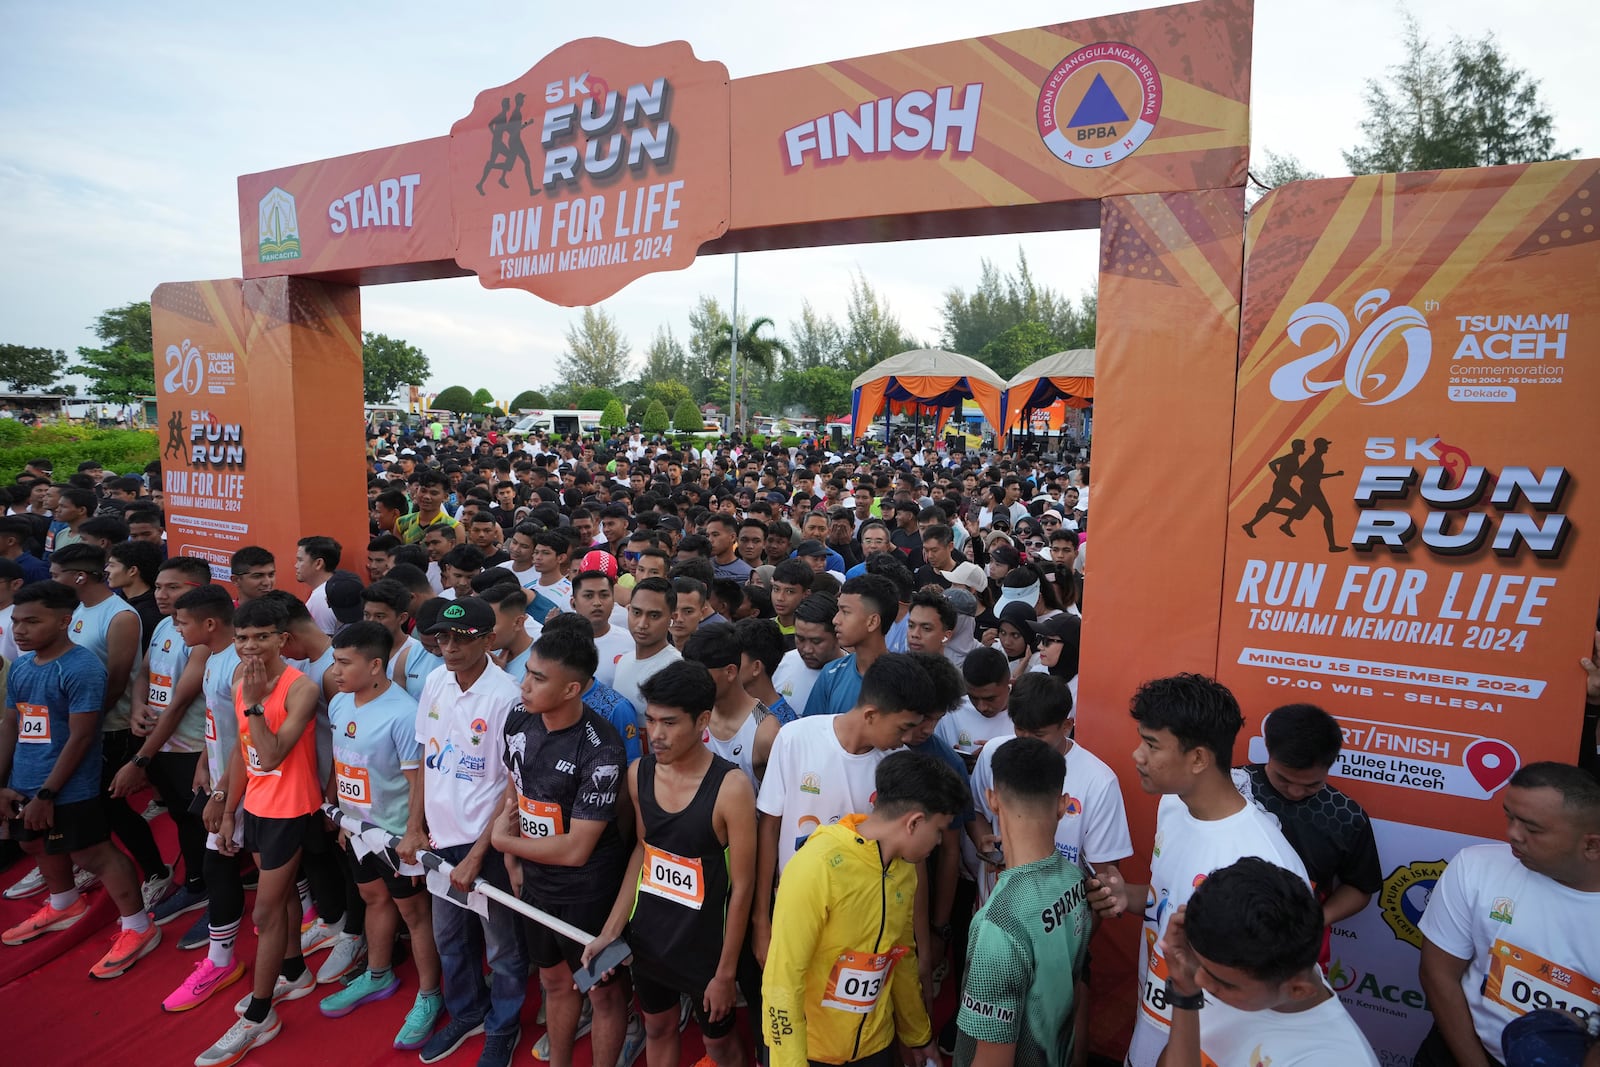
(541, 1047)
(282, 990)
(349, 954)
(82, 879)
(32, 882)
(241, 1037)
(632, 1041)
(316, 937)
(155, 889)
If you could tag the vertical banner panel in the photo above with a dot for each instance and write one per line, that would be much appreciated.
(1166, 354)
(1410, 520)
(259, 391)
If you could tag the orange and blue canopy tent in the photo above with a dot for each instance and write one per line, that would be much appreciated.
(930, 377)
(1066, 376)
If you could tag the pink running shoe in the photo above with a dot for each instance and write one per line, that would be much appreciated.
(204, 980)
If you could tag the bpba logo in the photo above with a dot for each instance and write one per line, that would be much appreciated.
(280, 227)
(1099, 105)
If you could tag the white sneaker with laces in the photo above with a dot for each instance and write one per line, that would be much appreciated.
(316, 937)
(241, 1037)
(155, 889)
(32, 882)
(349, 953)
(282, 990)
(82, 879)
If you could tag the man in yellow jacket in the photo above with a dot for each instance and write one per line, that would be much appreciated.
(841, 978)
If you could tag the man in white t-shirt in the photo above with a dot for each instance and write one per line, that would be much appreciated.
(816, 644)
(1244, 984)
(594, 597)
(461, 718)
(981, 715)
(520, 547)
(315, 560)
(822, 768)
(648, 620)
(1187, 727)
(1514, 927)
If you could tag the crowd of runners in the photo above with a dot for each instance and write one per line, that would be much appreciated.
(795, 726)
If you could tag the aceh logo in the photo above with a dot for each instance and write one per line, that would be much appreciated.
(280, 227)
(1310, 375)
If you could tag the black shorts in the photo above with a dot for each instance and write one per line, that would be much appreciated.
(656, 998)
(277, 841)
(372, 869)
(546, 948)
(79, 825)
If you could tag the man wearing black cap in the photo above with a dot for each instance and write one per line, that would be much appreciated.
(461, 719)
(343, 591)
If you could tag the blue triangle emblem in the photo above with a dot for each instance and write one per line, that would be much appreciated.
(1098, 107)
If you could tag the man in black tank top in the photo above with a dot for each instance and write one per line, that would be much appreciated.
(685, 901)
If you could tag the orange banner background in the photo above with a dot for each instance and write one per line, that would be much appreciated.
(1463, 251)
(268, 368)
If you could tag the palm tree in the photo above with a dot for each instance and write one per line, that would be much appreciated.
(754, 351)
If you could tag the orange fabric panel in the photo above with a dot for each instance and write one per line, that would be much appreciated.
(1165, 364)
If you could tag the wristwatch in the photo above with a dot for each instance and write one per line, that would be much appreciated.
(943, 932)
(141, 762)
(219, 795)
(1187, 1001)
(45, 794)
(255, 709)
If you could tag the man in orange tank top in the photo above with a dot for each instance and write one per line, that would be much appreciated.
(275, 766)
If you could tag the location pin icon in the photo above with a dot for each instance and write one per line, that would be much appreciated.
(1491, 762)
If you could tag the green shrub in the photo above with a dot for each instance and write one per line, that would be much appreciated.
(67, 445)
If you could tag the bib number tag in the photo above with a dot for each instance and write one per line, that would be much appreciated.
(160, 691)
(673, 878)
(34, 729)
(1522, 981)
(537, 818)
(353, 783)
(857, 980)
(211, 727)
(1153, 993)
(252, 760)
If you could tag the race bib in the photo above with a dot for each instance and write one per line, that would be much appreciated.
(857, 980)
(536, 818)
(35, 725)
(1522, 982)
(353, 783)
(211, 726)
(1153, 994)
(252, 760)
(160, 691)
(673, 878)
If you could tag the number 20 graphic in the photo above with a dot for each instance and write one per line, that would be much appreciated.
(1301, 378)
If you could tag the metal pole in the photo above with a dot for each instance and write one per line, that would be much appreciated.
(733, 356)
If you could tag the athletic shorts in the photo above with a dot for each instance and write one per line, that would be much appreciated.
(546, 948)
(656, 998)
(373, 869)
(276, 841)
(79, 825)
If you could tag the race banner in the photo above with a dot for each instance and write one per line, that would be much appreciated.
(250, 379)
(1408, 544)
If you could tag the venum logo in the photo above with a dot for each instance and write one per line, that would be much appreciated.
(1307, 377)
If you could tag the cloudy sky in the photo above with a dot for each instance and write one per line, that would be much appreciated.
(123, 127)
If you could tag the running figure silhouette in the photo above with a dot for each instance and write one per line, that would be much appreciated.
(506, 146)
(1311, 498)
(1283, 469)
(174, 436)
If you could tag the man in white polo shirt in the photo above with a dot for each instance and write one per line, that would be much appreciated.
(461, 717)
(1515, 927)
